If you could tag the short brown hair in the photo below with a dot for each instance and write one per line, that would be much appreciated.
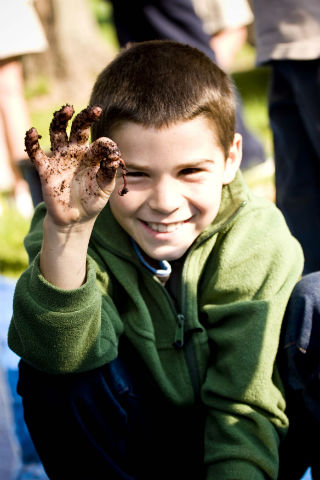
(161, 82)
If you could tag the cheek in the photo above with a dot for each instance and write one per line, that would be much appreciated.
(207, 197)
(210, 206)
(117, 204)
(123, 207)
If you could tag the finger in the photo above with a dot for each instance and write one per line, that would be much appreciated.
(58, 126)
(33, 149)
(107, 153)
(80, 129)
(124, 188)
(103, 150)
(106, 177)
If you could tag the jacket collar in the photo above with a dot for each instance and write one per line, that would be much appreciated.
(234, 196)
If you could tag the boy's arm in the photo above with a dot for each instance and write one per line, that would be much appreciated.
(244, 303)
(64, 252)
(57, 303)
(57, 330)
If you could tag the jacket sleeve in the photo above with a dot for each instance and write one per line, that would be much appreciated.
(243, 305)
(61, 331)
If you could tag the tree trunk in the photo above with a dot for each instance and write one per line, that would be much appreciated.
(77, 51)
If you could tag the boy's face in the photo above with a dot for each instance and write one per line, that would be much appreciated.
(175, 178)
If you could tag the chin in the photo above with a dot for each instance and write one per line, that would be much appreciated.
(169, 256)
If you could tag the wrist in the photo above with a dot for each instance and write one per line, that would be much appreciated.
(83, 228)
(63, 253)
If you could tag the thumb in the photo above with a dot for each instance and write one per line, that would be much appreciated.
(106, 153)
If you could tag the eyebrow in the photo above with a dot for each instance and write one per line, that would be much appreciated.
(191, 164)
(197, 163)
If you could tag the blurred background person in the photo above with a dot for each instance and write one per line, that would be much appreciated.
(226, 22)
(177, 20)
(288, 39)
(21, 33)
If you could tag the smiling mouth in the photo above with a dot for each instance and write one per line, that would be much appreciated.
(165, 227)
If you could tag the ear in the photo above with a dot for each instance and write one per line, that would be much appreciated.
(233, 161)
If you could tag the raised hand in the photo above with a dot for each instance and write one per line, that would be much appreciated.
(78, 179)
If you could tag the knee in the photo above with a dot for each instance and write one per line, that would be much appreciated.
(308, 287)
(304, 302)
(301, 327)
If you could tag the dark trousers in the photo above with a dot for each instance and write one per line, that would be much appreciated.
(31, 176)
(107, 424)
(142, 20)
(104, 424)
(299, 362)
(294, 109)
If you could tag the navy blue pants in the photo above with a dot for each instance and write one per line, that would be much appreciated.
(299, 362)
(104, 424)
(142, 20)
(108, 423)
(31, 176)
(294, 109)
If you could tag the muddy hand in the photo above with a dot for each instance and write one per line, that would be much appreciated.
(77, 179)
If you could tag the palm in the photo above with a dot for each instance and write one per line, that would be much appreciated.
(78, 178)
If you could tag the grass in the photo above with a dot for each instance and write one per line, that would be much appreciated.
(253, 88)
(13, 228)
(102, 11)
(251, 82)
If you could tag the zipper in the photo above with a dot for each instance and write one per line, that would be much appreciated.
(179, 339)
(189, 347)
(179, 317)
(179, 335)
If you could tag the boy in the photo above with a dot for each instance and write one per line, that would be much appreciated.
(148, 323)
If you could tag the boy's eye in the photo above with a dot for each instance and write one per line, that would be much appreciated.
(135, 174)
(190, 171)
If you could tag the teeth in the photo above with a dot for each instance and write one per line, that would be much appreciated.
(163, 228)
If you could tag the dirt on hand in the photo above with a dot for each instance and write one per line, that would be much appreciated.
(76, 173)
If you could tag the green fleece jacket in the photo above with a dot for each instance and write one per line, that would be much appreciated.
(236, 281)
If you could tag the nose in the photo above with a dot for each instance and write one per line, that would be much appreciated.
(166, 196)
